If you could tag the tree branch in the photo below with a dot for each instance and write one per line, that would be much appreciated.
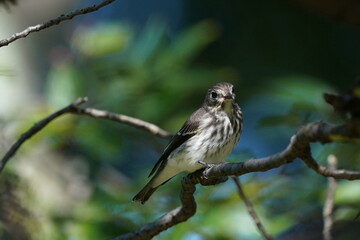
(135, 122)
(251, 209)
(329, 201)
(299, 147)
(177, 215)
(36, 128)
(95, 113)
(53, 22)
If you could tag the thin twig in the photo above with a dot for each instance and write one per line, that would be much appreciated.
(357, 216)
(250, 209)
(329, 201)
(53, 22)
(36, 128)
(135, 122)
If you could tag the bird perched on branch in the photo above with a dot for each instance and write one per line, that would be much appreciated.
(207, 137)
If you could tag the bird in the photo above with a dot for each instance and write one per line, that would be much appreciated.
(207, 137)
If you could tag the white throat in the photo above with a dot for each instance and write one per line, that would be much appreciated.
(227, 107)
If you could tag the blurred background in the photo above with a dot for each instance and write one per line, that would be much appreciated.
(154, 60)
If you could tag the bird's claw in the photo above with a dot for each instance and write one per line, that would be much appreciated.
(205, 164)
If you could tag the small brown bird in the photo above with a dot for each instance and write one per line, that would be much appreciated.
(209, 135)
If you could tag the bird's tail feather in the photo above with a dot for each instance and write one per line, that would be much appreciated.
(145, 193)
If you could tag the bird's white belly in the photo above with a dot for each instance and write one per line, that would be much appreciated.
(206, 146)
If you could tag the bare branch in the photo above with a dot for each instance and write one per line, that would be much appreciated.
(251, 209)
(329, 202)
(135, 122)
(299, 147)
(171, 218)
(36, 128)
(53, 22)
(74, 109)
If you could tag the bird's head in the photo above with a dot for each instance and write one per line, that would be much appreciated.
(220, 97)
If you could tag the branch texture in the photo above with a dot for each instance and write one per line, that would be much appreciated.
(135, 122)
(177, 215)
(53, 22)
(299, 147)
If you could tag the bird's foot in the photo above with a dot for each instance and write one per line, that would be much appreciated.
(207, 165)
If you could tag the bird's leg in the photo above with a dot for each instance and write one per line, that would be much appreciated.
(207, 181)
(207, 165)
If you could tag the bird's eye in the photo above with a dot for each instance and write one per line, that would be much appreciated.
(214, 94)
(232, 90)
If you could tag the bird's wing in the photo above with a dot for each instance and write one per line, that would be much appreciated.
(188, 130)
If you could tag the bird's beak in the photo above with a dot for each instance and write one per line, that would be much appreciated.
(229, 96)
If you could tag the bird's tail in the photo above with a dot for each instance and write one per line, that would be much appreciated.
(145, 193)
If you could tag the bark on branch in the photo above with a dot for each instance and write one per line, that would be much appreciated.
(299, 147)
(135, 122)
(53, 22)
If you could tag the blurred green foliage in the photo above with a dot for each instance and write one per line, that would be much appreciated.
(79, 180)
(144, 74)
